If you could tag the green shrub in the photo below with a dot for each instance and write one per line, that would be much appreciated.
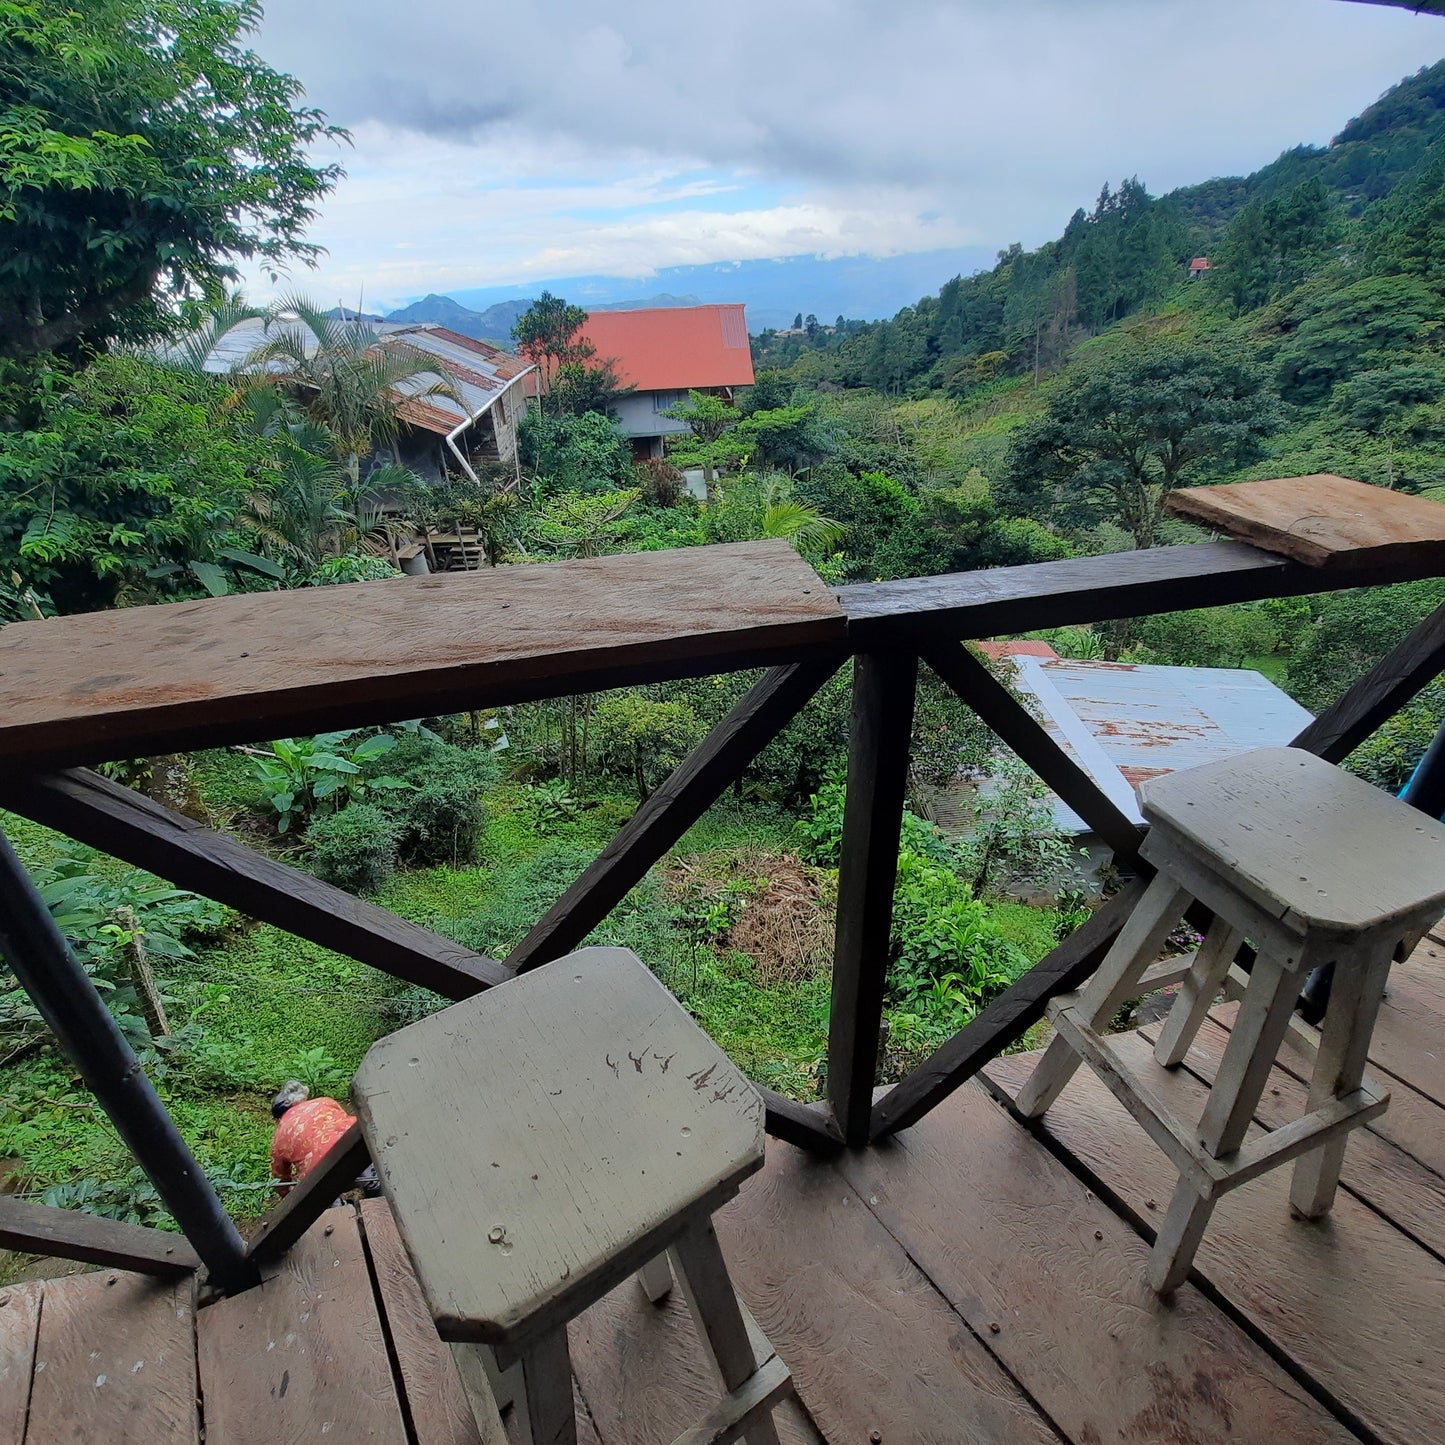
(355, 849)
(439, 816)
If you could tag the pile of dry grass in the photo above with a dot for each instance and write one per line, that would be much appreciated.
(786, 925)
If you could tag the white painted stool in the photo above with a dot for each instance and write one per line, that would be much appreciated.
(541, 1142)
(1313, 866)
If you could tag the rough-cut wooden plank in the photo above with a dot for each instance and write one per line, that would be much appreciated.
(1088, 589)
(693, 787)
(880, 729)
(69, 1234)
(809, 1126)
(645, 1375)
(145, 680)
(1379, 694)
(1398, 1186)
(19, 1322)
(1350, 1300)
(301, 1358)
(127, 825)
(1015, 1242)
(993, 702)
(1006, 1019)
(116, 1361)
(436, 1402)
(871, 1343)
(1322, 520)
(1409, 1039)
(306, 1202)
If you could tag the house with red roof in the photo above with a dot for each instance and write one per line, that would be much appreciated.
(663, 353)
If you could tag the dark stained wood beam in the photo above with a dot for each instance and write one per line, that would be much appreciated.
(139, 681)
(69, 1234)
(1005, 1019)
(809, 1126)
(1088, 589)
(1003, 712)
(695, 785)
(307, 1201)
(124, 823)
(884, 687)
(1380, 694)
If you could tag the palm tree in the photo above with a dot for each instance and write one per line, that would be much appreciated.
(341, 378)
(804, 526)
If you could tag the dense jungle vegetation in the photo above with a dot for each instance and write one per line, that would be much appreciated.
(1038, 410)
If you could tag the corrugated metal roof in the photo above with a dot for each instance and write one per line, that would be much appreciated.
(671, 348)
(1124, 723)
(477, 369)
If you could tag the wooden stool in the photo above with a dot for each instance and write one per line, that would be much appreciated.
(541, 1142)
(1313, 866)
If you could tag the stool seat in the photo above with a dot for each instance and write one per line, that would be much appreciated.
(1314, 847)
(534, 1140)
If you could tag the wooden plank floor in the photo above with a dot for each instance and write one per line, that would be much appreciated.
(972, 1281)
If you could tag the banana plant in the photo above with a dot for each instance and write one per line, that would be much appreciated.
(310, 777)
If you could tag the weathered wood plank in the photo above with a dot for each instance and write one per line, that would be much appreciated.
(871, 1343)
(1087, 589)
(809, 1126)
(645, 1375)
(116, 1361)
(1409, 1038)
(1352, 1302)
(69, 1234)
(1400, 1187)
(881, 729)
(301, 1358)
(1006, 1019)
(1379, 694)
(306, 1202)
(436, 1402)
(694, 786)
(997, 707)
(127, 825)
(1055, 1282)
(19, 1324)
(1322, 520)
(146, 680)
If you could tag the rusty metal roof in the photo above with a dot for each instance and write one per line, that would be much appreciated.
(1124, 723)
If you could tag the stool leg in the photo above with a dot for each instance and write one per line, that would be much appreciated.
(1178, 1238)
(1197, 992)
(1254, 1043)
(1136, 947)
(1349, 1024)
(655, 1277)
(547, 1390)
(703, 1274)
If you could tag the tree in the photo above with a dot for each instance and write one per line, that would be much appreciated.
(709, 418)
(641, 739)
(1120, 435)
(347, 384)
(143, 149)
(546, 335)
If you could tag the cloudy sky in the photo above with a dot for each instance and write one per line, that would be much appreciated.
(503, 143)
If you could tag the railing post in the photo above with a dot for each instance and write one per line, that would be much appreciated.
(41, 959)
(884, 685)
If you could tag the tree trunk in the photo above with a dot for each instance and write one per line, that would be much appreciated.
(172, 786)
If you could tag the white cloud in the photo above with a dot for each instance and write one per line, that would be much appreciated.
(499, 142)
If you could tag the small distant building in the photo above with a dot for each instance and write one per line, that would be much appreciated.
(1124, 722)
(1197, 267)
(665, 352)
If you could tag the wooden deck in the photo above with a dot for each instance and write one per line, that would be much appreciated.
(969, 1281)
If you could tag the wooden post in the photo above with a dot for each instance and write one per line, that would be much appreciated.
(60, 988)
(884, 686)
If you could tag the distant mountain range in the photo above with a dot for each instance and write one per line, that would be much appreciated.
(862, 287)
(495, 323)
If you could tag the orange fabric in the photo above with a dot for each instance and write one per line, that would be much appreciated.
(303, 1135)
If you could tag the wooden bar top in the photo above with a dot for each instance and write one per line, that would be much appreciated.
(138, 681)
(1323, 520)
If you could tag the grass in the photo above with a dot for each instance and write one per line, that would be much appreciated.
(258, 1006)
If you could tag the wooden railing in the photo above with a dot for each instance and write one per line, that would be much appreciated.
(93, 689)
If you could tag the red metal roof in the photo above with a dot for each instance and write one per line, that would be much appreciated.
(1199, 263)
(674, 347)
